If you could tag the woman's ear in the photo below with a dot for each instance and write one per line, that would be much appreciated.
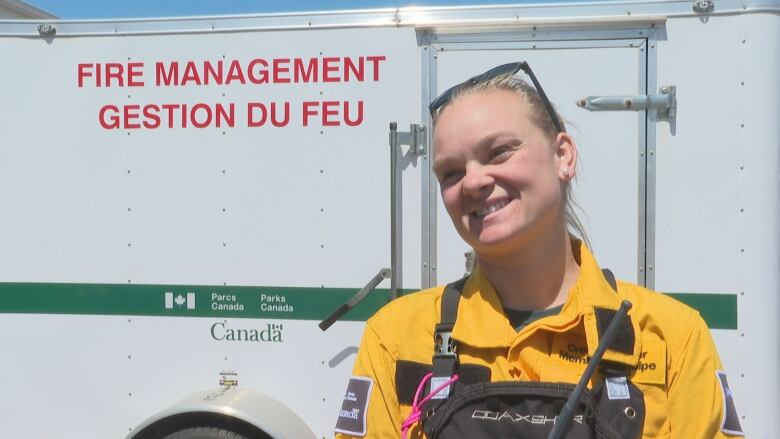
(566, 156)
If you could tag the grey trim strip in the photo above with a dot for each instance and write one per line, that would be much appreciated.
(434, 17)
(428, 179)
(642, 120)
(650, 172)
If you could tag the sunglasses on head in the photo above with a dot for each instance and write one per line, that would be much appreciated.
(504, 69)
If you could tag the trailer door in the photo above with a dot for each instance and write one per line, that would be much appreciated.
(611, 185)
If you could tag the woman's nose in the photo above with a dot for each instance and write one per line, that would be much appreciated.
(477, 181)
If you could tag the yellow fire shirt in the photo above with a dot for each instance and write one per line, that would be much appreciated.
(671, 359)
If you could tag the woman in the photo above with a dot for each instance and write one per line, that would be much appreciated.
(497, 354)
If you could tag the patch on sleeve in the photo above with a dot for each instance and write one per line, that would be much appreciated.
(730, 423)
(352, 416)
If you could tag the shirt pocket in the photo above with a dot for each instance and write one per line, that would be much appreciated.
(656, 409)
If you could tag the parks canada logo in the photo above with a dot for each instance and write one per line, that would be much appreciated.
(272, 333)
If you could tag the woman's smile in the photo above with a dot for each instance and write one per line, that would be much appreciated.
(492, 207)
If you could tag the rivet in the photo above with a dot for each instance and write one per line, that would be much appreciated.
(322, 245)
(651, 153)
(323, 399)
(649, 267)
(743, 41)
(224, 244)
(741, 293)
(223, 171)
(652, 46)
(129, 394)
(742, 83)
(742, 250)
(741, 334)
(741, 167)
(742, 375)
(742, 125)
(129, 357)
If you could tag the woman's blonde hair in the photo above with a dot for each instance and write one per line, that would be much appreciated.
(542, 119)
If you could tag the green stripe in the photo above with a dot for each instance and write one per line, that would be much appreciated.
(718, 310)
(210, 301)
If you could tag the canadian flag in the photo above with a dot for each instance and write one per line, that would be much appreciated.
(179, 300)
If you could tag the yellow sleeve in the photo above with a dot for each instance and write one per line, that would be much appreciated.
(698, 406)
(375, 362)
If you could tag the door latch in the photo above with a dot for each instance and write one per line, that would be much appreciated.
(665, 103)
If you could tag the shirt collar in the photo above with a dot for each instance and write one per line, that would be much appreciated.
(481, 321)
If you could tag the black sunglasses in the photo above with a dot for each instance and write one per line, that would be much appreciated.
(505, 69)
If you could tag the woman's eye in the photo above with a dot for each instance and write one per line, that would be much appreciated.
(449, 177)
(499, 154)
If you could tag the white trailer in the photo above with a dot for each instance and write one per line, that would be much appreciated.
(183, 200)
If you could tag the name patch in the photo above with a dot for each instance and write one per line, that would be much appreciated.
(352, 416)
(652, 363)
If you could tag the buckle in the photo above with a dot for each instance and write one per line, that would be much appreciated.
(444, 344)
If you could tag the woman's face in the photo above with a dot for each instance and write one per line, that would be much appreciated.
(500, 175)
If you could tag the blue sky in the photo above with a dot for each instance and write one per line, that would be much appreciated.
(76, 9)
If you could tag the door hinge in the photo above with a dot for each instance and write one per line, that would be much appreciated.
(415, 138)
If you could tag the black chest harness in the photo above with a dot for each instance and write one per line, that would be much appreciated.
(614, 409)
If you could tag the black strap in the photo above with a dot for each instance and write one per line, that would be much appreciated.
(445, 356)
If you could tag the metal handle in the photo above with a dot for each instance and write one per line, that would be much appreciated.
(417, 141)
(357, 298)
(396, 212)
